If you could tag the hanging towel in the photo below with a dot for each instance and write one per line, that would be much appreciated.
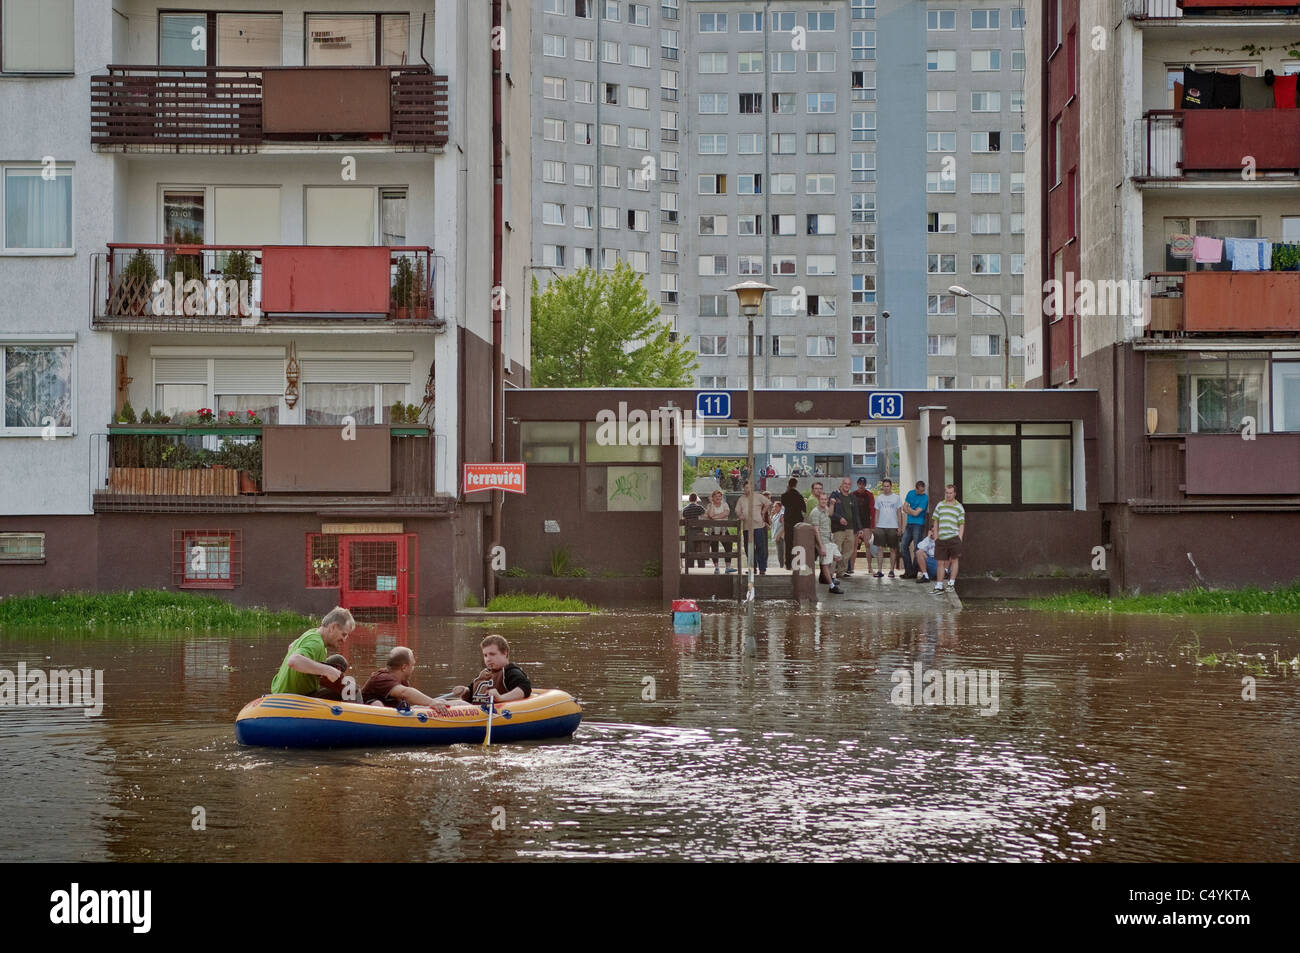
(1180, 246)
(1198, 89)
(1207, 251)
(1256, 93)
(1265, 254)
(1227, 91)
(1242, 253)
(1284, 92)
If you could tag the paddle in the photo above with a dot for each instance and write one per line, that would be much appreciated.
(487, 737)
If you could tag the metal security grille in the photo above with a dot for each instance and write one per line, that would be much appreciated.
(376, 572)
(322, 561)
(207, 558)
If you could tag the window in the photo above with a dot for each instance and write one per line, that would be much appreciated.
(783, 62)
(941, 304)
(862, 166)
(864, 44)
(1017, 18)
(668, 85)
(783, 22)
(1017, 307)
(783, 183)
(784, 345)
(864, 9)
(36, 212)
(713, 62)
(863, 84)
(20, 548)
(749, 184)
(609, 94)
(1017, 142)
(553, 44)
(638, 97)
(783, 225)
(712, 104)
(750, 23)
(713, 23)
(713, 224)
(940, 101)
(207, 559)
(821, 102)
(1017, 223)
(712, 265)
(986, 102)
(668, 246)
(581, 216)
(821, 21)
(986, 264)
(609, 134)
(608, 218)
(751, 104)
(1011, 465)
(1017, 102)
(749, 62)
(638, 138)
(638, 220)
(820, 143)
(553, 256)
(1213, 391)
(611, 11)
(667, 288)
(1018, 268)
(985, 183)
(583, 175)
(943, 382)
(742, 348)
(713, 345)
(749, 265)
(553, 87)
(582, 10)
(553, 172)
(37, 389)
(668, 44)
(782, 144)
(712, 184)
(749, 143)
(713, 383)
(638, 14)
(749, 225)
(863, 249)
(609, 176)
(820, 345)
(821, 62)
(864, 329)
(714, 306)
(782, 305)
(938, 182)
(984, 19)
(584, 50)
(783, 103)
(1017, 59)
(553, 130)
(638, 56)
(941, 264)
(819, 265)
(986, 142)
(979, 307)
(940, 222)
(819, 184)
(986, 223)
(985, 345)
(864, 289)
(821, 383)
(941, 20)
(864, 126)
(584, 91)
(608, 259)
(821, 306)
(941, 345)
(552, 213)
(940, 142)
(940, 61)
(784, 265)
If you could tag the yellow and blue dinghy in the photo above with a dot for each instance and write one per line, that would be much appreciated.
(296, 721)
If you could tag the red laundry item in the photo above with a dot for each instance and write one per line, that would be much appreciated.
(1284, 91)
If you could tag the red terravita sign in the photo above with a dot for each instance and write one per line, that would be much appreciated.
(494, 476)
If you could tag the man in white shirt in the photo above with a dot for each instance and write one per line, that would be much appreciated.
(820, 519)
(889, 525)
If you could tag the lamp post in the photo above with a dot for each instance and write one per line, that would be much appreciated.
(961, 292)
(750, 294)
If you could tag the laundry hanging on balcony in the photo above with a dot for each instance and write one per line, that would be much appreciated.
(1249, 254)
(1180, 246)
(1206, 250)
(1198, 90)
(1283, 89)
(1256, 93)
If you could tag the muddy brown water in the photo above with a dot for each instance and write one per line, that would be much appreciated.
(791, 746)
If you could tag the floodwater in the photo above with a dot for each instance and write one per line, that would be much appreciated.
(1108, 743)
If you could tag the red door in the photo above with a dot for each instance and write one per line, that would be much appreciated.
(375, 574)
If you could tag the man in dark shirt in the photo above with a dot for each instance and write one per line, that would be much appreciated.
(794, 512)
(390, 686)
(844, 525)
(866, 503)
(693, 511)
(501, 679)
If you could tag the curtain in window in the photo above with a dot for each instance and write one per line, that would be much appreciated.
(38, 212)
(38, 384)
(266, 406)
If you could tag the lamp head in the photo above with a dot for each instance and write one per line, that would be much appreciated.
(959, 291)
(751, 295)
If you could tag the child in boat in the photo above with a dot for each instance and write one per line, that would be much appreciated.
(343, 689)
(501, 679)
(390, 686)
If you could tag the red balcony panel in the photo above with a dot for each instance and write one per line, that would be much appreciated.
(320, 279)
(292, 460)
(1236, 4)
(1230, 301)
(1226, 465)
(301, 99)
(1219, 139)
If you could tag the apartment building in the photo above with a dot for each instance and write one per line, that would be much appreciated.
(1161, 238)
(975, 190)
(318, 364)
(763, 134)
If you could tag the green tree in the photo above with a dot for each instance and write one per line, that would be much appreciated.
(593, 329)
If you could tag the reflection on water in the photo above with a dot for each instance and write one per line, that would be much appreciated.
(786, 748)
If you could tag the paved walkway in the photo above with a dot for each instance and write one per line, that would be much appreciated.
(861, 591)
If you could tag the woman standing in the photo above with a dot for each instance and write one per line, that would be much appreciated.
(716, 510)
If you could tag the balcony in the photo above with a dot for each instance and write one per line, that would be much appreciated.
(1173, 472)
(1228, 10)
(157, 468)
(156, 109)
(1224, 303)
(1208, 144)
(232, 288)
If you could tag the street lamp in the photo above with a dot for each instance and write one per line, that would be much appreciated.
(750, 295)
(961, 292)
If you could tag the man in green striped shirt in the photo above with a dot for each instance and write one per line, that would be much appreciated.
(950, 517)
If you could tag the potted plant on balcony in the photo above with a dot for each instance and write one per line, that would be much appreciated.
(246, 457)
(138, 277)
(1286, 257)
(239, 269)
(420, 302)
(402, 287)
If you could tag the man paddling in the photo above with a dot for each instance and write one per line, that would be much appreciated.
(304, 664)
(501, 679)
(391, 686)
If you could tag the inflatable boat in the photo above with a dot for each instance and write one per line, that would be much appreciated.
(296, 721)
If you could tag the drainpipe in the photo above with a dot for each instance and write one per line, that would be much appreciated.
(498, 279)
(1045, 238)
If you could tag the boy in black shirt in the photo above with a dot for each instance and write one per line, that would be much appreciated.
(501, 679)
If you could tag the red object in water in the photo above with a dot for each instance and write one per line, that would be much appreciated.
(685, 605)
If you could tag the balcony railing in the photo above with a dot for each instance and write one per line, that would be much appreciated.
(224, 109)
(1224, 302)
(156, 467)
(1213, 143)
(232, 287)
(1234, 10)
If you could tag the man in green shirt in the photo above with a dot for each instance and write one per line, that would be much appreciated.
(950, 517)
(304, 664)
